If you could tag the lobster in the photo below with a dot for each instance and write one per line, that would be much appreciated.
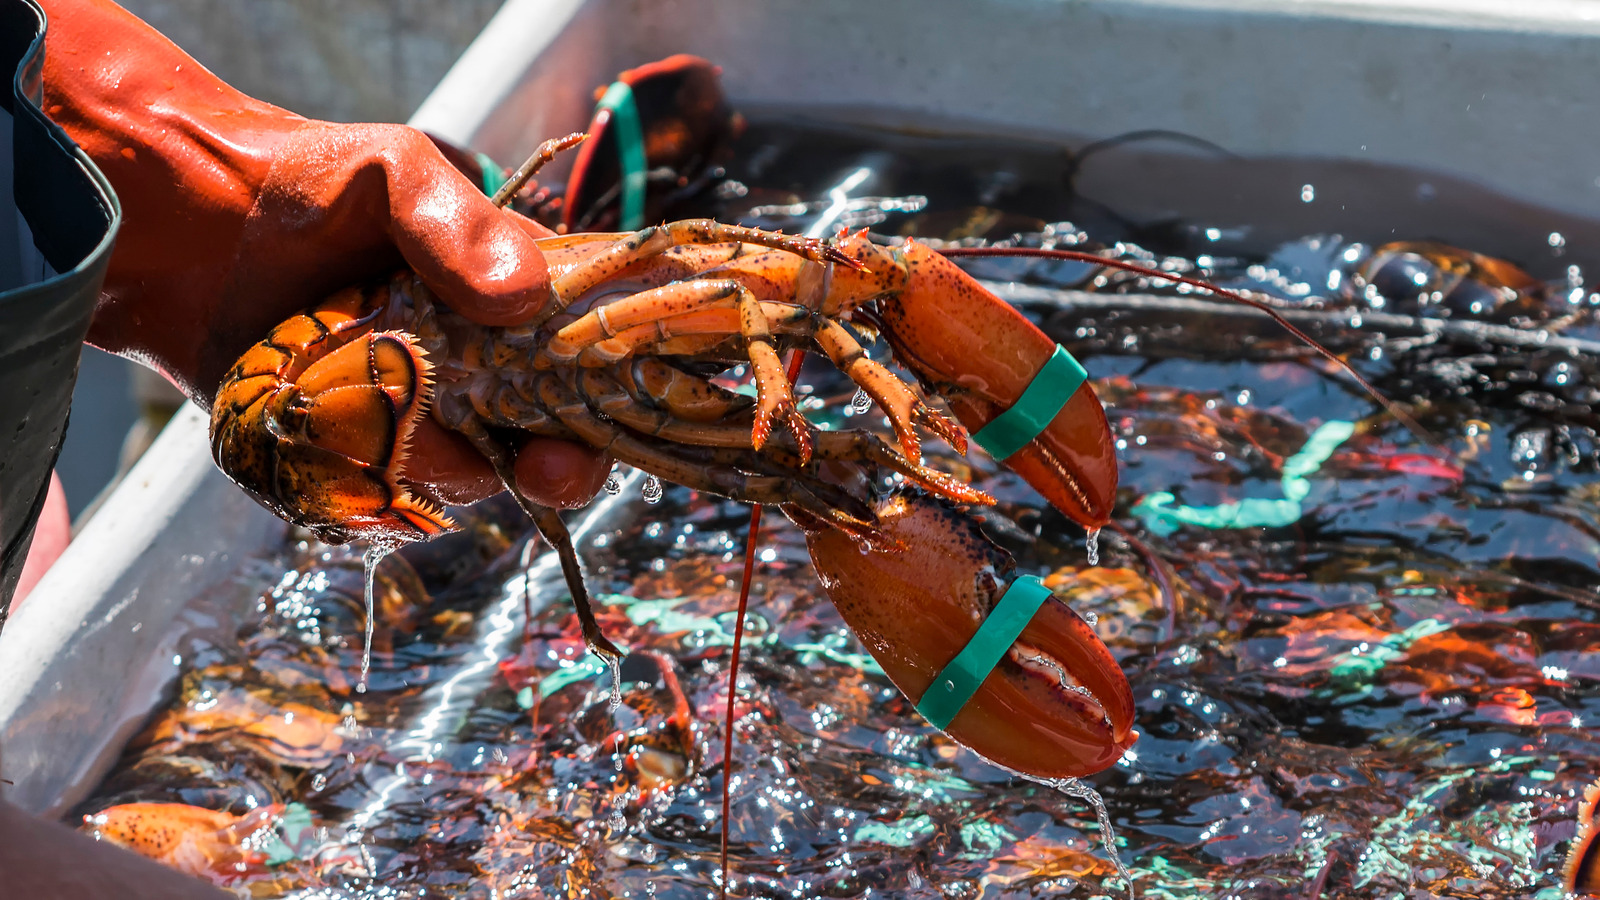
(313, 422)
(630, 356)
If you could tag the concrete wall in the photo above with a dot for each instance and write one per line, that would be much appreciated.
(346, 60)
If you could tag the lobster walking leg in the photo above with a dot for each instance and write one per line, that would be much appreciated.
(641, 245)
(612, 401)
(554, 531)
(646, 307)
(896, 398)
(773, 398)
(829, 503)
(685, 396)
(669, 336)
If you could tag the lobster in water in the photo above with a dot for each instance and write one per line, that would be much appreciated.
(313, 421)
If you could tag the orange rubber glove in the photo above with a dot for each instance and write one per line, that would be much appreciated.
(237, 214)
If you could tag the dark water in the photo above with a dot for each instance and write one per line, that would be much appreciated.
(1387, 691)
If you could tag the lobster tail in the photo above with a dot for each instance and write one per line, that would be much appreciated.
(314, 424)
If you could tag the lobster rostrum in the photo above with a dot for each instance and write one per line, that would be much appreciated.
(313, 421)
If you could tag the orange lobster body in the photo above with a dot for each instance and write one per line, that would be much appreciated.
(314, 420)
(200, 842)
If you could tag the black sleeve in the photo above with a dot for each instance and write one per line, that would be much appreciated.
(73, 215)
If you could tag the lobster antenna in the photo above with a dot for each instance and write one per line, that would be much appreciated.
(733, 688)
(541, 155)
(795, 360)
(1080, 256)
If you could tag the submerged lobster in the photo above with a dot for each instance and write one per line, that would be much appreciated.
(314, 420)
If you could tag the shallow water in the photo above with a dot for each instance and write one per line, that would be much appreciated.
(1388, 693)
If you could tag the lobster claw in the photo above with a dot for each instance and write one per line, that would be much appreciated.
(685, 123)
(935, 322)
(1055, 706)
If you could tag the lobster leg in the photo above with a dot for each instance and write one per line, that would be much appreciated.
(685, 395)
(773, 398)
(641, 245)
(554, 531)
(612, 400)
(823, 500)
(644, 308)
(717, 322)
(893, 395)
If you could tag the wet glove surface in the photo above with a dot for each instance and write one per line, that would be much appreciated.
(45, 312)
(238, 214)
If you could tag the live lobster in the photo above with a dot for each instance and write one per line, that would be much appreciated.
(313, 421)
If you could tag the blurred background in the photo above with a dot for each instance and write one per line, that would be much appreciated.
(345, 60)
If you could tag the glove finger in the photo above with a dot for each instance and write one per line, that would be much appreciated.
(558, 473)
(443, 465)
(551, 472)
(478, 258)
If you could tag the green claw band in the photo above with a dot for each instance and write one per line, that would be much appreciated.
(630, 152)
(1163, 518)
(1030, 416)
(960, 679)
(493, 175)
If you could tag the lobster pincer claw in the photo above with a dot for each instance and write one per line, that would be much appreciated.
(680, 124)
(935, 320)
(1055, 704)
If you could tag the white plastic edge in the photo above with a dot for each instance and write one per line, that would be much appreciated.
(79, 660)
(493, 67)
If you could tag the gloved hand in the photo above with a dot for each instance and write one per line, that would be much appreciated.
(237, 214)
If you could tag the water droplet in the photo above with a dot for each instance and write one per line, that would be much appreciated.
(319, 781)
(1072, 787)
(616, 755)
(652, 490)
(1308, 193)
(370, 559)
(1092, 545)
(616, 682)
(613, 484)
(1091, 617)
(860, 403)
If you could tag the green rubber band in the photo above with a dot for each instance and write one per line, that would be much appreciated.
(630, 152)
(1049, 391)
(493, 175)
(961, 678)
(1163, 518)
